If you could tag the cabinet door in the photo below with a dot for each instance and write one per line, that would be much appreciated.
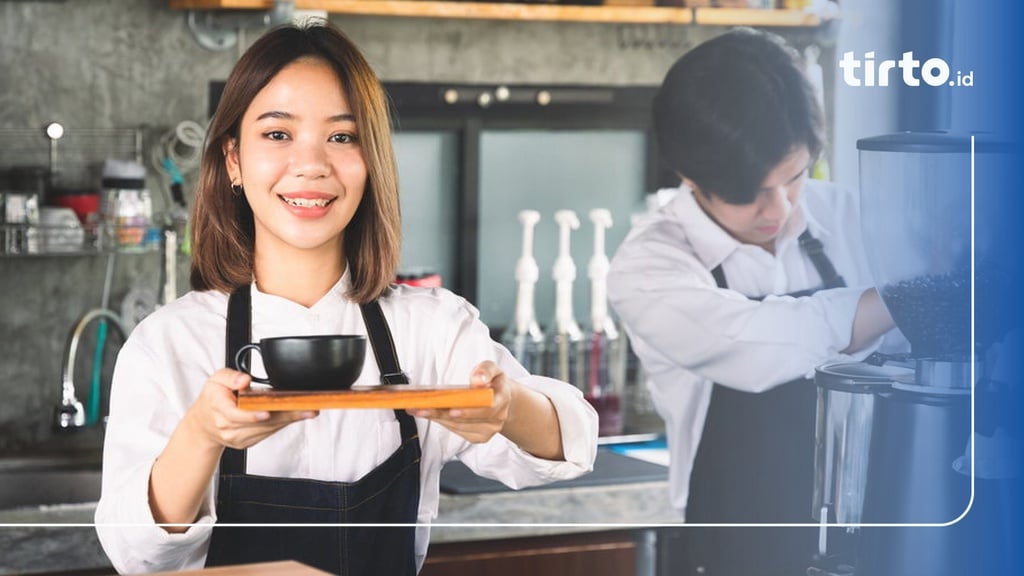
(598, 554)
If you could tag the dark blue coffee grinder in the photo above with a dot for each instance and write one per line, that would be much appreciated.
(916, 213)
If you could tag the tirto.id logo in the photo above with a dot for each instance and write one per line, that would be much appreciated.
(934, 71)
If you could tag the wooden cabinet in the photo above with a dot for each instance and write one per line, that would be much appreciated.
(593, 554)
(540, 12)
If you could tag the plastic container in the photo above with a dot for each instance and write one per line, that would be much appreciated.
(126, 207)
(60, 230)
(604, 346)
(419, 278)
(19, 233)
(84, 201)
(842, 437)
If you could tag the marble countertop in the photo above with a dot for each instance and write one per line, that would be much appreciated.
(555, 511)
(49, 539)
(63, 535)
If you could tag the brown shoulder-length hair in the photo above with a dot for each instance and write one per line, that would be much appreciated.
(222, 222)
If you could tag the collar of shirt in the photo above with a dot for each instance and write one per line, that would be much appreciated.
(339, 289)
(268, 309)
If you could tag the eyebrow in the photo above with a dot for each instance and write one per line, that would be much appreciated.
(344, 117)
(793, 179)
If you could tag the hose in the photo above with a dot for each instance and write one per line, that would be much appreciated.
(92, 410)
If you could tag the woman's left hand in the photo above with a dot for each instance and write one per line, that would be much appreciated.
(478, 425)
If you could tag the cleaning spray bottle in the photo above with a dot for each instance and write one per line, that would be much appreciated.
(606, 358)
(523, 337)
(566, 360)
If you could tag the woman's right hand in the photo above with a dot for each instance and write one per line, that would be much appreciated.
(220, 422)
(181, 474)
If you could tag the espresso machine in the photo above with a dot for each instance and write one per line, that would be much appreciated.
(893, 449)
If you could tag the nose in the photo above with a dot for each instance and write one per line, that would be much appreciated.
(776, 206)
(309, 160)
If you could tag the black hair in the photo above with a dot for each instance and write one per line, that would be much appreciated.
(731, 109)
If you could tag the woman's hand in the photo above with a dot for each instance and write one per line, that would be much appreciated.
(182, 472)
(521, 414)
(219, 421)
(478, 425)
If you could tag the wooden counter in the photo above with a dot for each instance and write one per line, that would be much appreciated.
(261, 569)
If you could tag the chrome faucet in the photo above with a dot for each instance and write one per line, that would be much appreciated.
(70, 413)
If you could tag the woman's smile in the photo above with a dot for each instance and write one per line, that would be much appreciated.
(307, 204)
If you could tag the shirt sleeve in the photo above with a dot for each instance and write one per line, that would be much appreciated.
(499, 458)
(671, 306)
(142, 418)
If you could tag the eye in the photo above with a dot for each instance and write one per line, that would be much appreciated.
(343, 138)
(276, 135)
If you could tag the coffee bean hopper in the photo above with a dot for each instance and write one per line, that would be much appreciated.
(894, 433)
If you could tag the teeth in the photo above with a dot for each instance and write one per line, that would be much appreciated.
(307, 202)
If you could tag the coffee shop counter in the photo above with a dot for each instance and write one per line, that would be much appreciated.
(493, 515)
(539, 512)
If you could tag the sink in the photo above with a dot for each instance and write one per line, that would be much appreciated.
(48, 487)
(49, 480)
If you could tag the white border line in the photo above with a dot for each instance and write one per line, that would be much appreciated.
(622, 525)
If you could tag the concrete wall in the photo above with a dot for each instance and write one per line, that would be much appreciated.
(97, 64)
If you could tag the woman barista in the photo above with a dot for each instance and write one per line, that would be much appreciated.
(735, 291)
(296, 232)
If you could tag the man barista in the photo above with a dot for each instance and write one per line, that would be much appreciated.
(733, 293)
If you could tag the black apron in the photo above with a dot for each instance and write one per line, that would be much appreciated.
(389, 494)
(755, 464)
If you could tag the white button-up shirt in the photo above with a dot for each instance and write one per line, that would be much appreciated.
(688, 333)
(169, 356)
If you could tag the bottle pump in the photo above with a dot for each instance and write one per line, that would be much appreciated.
(565, 358)
(524, 337)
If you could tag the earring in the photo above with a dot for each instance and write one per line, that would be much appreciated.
(237, 190)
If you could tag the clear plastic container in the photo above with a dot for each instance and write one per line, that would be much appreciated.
(566, 356)
(19, 232)
(126, 207)
(916, 220)
(606, 378)
(528, 348)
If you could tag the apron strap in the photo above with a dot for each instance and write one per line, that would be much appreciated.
(239, 333)
(383, 345)
(814, 250)
(239, 327)
(719, 276)
(387, 360)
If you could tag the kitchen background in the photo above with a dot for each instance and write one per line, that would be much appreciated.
(127, 64)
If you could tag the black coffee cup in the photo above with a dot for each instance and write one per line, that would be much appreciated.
(330, 362)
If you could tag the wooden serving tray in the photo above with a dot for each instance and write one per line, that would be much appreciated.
(398, 396)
